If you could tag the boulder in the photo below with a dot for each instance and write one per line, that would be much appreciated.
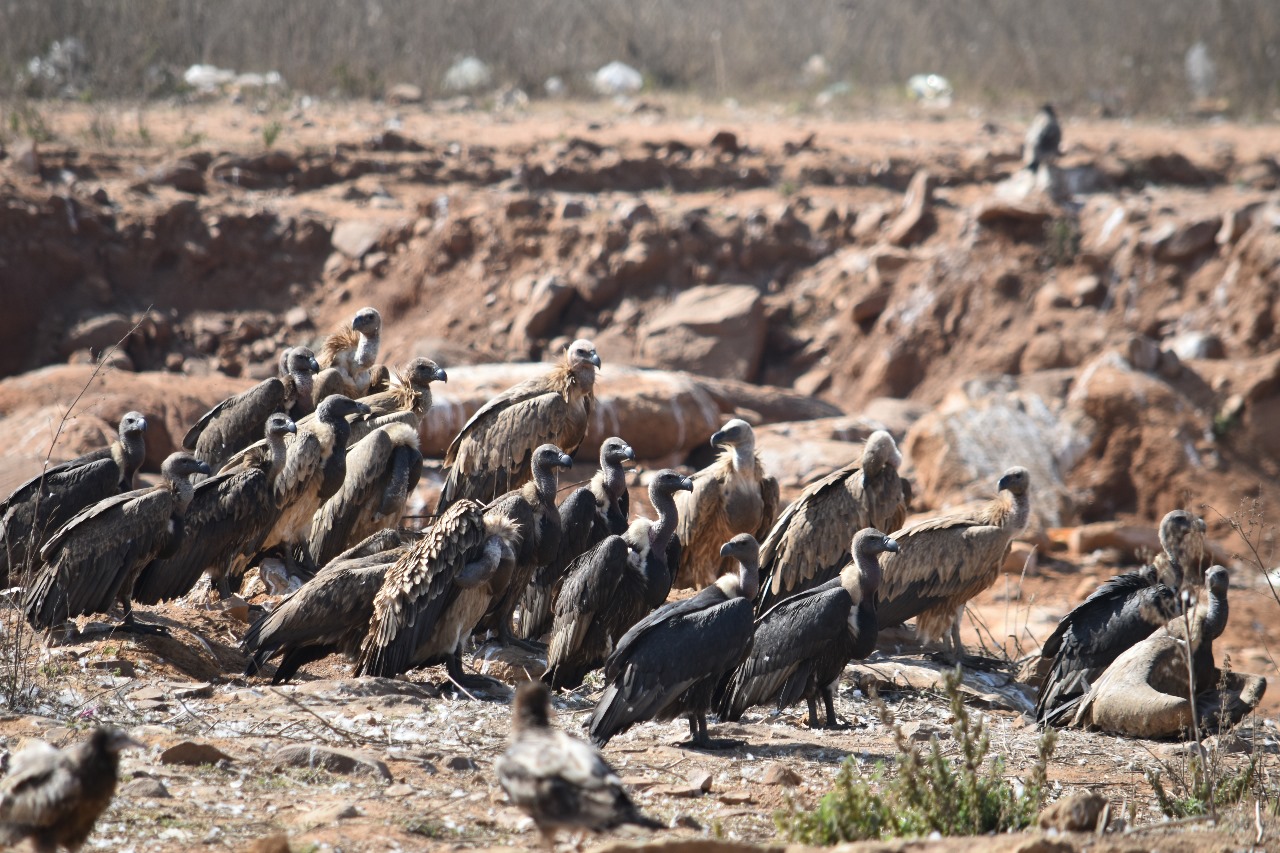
(1175, 243)
(182, 175)
(355, 238)
(193, 753)
(404, 93)
(546, 302)
(716, 330)
(345, 761)
(1076, 813)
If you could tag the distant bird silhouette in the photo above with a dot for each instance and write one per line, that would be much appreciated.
(1044, 139)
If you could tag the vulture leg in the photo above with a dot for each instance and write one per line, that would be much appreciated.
(828, 699)
(224, 587)
(813, 711)
(699, 738)
(468, 682)
(506, 638)
(133, 626)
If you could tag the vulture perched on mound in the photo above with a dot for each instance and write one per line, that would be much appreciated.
(491, 455)
(943, 562)
(237, 422)
(559, 781)
(803, 643)
(1044, 139)
(810, 542)
(347, 358)
(587, 516)
(94, 559)
(37, 508)
(612, 587)
(1119, 614)
(732, 495)
(229, 514)
(671, 662)
(54, 796)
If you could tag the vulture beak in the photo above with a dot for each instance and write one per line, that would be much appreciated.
(1200, 525)
(566, 461)
(362, 408)
(629, 454)
(686, 484)
(726, 550)
(122, 740)
(1004, 484)
(292, 427)
(440, 375)
(595, 358)
(890, 545)
(717, 438)
(203, 468)
(314, 365)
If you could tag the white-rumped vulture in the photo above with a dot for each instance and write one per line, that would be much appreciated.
(491, 455)
(1044, 139)
(730, 496)
(53, 797)
(238, 421)
(587, 516)
(37, 508)
(671, 662)
(94, 559)
(559, 781)
(803, 643)
(229, 514)
(406, 400)
(943, 562)
(810, 543)
(347, 358)
(612, 587)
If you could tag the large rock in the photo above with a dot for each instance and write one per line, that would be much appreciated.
(356, 238)
(715, 330)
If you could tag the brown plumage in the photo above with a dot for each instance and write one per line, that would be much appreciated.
(490, 456)
(405, 400)
(347, 357)
(730, 496)
(810, 542)
(943, 562)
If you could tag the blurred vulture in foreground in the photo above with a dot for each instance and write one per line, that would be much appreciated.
(347, 358)
(943, 562)
(670, 663)
(54, 797)
(1044, 139)
(810, 542)
(37, 508)
(237, 422)
(558, 780)
(492, 454)
(94, 559)
(803, 643)
(732, 495)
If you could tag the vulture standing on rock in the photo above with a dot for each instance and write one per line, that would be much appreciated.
(810, 542)
(803, 643)
(558, 780)
(1044, 139)
(94, 559)
(54, 797)
(671, 662)
(37, 508)
(237, 422)
(732, 495)
(492, 453)
(612, 587)
(347, 358)
(943, 562)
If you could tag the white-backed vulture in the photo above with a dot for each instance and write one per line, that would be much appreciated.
(382, 469)
(587, 516)
(559, 781)
(1044, 139)
(612, 587)
(803, 643)
(730, 496)
(810, 542)
(53, 797)
(347, 357)
(670, 663)
(41, 505)
(491, 455)
(93, 560)
(406, 400)
(237, 422)
(943, 562)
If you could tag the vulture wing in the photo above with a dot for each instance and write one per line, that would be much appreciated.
(235, 423)
(41, 790)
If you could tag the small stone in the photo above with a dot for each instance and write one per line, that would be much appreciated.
(398, 790)
(144, 788)
(355, 238)
(190, 752)
(297, 318)
(920, 731)
(376, 262)
(1088, 290)
(523, 207)
(344, 761)
(735, 798)
(1077, 813)
(635, 212)
(236, 607)
(199, 690)
(327, 815)
(404, 93)
(114, 665)
(870, 307)
(460, 764)
(573, 209)
(726, 142)
(26, 156)
(778, 774)
(701, 780)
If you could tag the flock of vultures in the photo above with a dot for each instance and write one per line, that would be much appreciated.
(315, 466)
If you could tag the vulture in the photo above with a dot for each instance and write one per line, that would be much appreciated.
(671, 661)
(810, 542)
(493, 452)
(612, 587)
(587, 516)
(44, 503)
(803, 643)
(732, 495)
(1119, 614)
(347, 358)
(237, 422)
(228, 515)
(54, 796)
(1044, 139)
(943, 562)
(382, 469)
(559, 781)
(406, 400)
(94, 559)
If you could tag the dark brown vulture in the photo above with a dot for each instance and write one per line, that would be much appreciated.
(587, 516)
(347, 358)
(491, 455)
(803, 643)
(670, 663)
(406, 400)
(943, 562)
(1044, 139)
(37, 508)
(237, 422)
(810, 542)
(54, 796)
(229, 514)
(559, 781)
(94, 559)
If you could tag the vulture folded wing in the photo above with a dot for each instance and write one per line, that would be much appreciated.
(236, 422)
(40, 791)
(812, 535)
(940, 560)
(590, 584)
(333, 523)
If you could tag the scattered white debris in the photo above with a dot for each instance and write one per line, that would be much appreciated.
(931, 90)
(467, 75)
(618, 78)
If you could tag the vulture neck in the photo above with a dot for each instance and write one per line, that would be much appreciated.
(367, 350)
(741, 456)
(745, 584)
(584, 376)
(661, 531)
(276, 453)
(183, 492)
(1014, 512)
(1215, 617)
(612, 482)
(128, 453)
(303, 386)
(544, 484)
(341, 434)
(868, 574)
(529, 715)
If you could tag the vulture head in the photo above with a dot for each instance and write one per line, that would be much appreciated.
(336, 407)
(549, 457)
(367, 322)
(746, 551)
(279, 425)
(879, 451)
(1217, 580)
(737, 433)
(1016, 481)
(668, 482)
(1048, 110)
(299, 362)
(868, 545)
(132, 424)
(421, 372)
(1182, 537)
(531, 708)
(112, 741)
(615, 451)
(582, 360)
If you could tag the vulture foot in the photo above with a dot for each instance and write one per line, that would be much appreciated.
(132, 626)
(464, 683)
